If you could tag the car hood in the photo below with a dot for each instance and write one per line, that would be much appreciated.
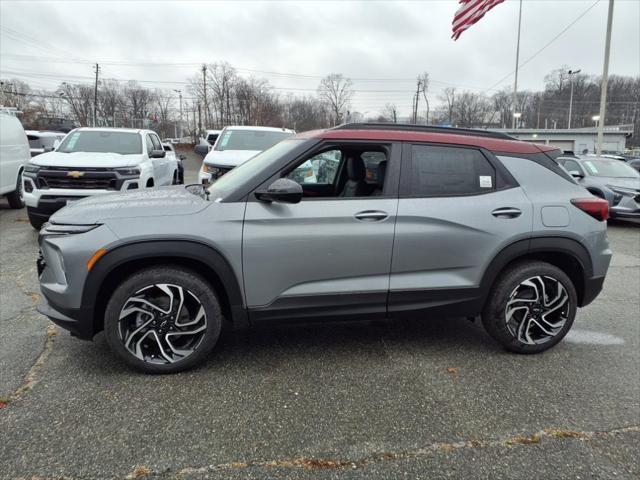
(621, 182)
(86, 159)
(229, 158)
(148, 202)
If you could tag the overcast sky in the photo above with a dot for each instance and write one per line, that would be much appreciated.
(382, 45)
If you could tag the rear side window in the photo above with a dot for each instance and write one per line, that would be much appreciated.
(446, 171)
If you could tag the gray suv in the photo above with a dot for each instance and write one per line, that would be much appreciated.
(452, 222)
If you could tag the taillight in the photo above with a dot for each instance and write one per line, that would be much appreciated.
(598, 208)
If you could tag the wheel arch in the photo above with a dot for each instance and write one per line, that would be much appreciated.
(565, 253)
(126, 259)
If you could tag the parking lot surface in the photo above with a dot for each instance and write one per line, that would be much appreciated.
(414, 399)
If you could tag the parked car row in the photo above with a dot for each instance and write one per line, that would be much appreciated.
(607, 178)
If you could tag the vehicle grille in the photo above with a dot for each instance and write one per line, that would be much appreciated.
(88, 178)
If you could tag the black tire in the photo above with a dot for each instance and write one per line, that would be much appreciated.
(175, 276)
(506, 288)
(16, 198)
(174, 180)
(36, 221)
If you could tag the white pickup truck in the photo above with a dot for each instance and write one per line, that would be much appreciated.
(94, 161)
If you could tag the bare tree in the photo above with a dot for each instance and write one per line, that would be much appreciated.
(390, 113)
(424, 87)
(15, 93)
(448, 97)
(79, 97)
(336, 90)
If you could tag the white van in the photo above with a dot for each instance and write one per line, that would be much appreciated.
(14, 154)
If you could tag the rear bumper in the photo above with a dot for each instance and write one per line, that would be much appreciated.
(592, 288)
(78, 322)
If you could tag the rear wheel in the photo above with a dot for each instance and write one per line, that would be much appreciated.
(531, 307)
(16, 198)
(163, 320)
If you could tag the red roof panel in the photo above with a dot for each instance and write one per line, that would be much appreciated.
(492, 144)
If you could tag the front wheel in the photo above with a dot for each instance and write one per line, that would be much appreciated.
(163, 320)
(531, 307)
(16, 198)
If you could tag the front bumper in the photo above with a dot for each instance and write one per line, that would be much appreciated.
(77, 321)
(627, 207)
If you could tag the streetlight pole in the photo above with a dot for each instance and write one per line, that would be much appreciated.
(179, 92)
(571, 74)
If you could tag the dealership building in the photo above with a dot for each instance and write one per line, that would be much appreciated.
(576, 139)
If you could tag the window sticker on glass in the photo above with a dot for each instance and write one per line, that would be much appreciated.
(72, 141)
(592, 168)
(485, 181)
(225, 139)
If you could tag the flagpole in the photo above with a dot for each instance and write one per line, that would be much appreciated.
(515, 84)
(605, 80)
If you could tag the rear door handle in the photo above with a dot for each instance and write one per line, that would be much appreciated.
(371, 215)
(506, 212)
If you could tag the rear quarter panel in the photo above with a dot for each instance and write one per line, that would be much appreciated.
(555, 215)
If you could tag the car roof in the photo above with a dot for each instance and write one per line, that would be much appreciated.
(264, 129)
(444, 136)
(44, 133)
(209, 132)
(112, 129)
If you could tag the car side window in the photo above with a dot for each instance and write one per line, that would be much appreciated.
(349, 171)
(447, 171)
(321, 168)
(571, 165)
(156, 142)
(149, 144)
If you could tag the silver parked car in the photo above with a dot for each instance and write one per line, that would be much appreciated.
(403, 221)
(608, 178)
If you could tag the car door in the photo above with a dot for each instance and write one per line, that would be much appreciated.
(326, 257)
(458, 208)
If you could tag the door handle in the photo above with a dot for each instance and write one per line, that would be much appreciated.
(371, 216)
(506, 212)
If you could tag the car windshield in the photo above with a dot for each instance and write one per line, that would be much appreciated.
(245, 171)
(250, 139)
(124, 143)
(599, 167)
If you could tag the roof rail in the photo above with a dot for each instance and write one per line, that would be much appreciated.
(472, 132)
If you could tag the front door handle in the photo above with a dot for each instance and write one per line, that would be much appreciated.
(371, 216)
(506, 212)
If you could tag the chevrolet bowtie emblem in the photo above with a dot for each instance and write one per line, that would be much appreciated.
(75, 174)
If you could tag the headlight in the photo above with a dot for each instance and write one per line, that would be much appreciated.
(56, 229)
(210, 169)
(128, 171)
(30, 168)
(629, 192)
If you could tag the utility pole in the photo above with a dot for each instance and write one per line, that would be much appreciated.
(180, 95)
(199, 121)
(415, 106)
(571, 74)
(204, 83)
(95, 98)
(515, 83)
(605, 80)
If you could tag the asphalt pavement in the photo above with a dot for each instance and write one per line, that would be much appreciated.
(415, 399)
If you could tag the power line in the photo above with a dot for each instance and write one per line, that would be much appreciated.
(492, 87)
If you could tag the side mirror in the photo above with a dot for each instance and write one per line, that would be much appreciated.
(282, 190)
(158, 154)
(48, 149)
(576, 174)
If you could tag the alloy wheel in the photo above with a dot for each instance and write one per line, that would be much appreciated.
(537, 310)
(162, 323)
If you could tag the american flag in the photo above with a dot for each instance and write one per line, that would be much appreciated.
(470, 12)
